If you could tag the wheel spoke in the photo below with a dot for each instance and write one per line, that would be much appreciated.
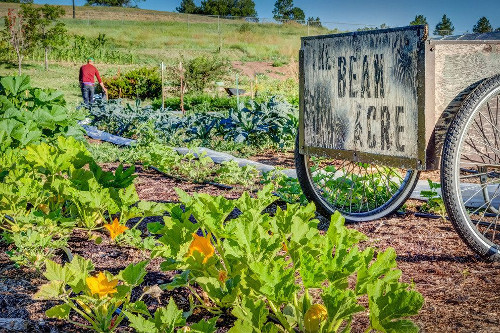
(357, 190)
(474, 202)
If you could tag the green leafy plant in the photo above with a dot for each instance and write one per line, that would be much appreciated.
(200, 72)
(31, 115)
(434, 202)
(231, 173)
(95, 299)
(36, 237)
(250, 265)
(167, 319)
(287, 188)
(139, 83)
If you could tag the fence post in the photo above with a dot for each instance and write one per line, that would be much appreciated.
(237, 93)
(308, 28)
(220, 34)
(162, 86)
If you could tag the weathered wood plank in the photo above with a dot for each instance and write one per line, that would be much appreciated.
(361, 92)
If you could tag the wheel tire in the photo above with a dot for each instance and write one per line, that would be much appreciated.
(326, 207)
(467, 146)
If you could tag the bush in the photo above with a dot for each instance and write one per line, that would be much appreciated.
(198, 103)
(200, 72)
(139, 83)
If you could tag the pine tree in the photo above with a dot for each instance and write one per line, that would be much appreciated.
(419, 20)
(445, 27)
(187, 7)
(482, 26)
(314, 22)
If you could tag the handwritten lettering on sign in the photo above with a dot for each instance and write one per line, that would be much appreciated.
(360, 92)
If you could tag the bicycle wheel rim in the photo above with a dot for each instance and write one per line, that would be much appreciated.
(360, 180)
(476, 152)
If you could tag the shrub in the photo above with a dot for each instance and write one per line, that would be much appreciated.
(198, 103)
(200, 72)
(139, 83)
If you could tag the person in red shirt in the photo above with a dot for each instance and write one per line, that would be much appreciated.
(87, 73)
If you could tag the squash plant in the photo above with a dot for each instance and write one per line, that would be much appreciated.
(258, 266)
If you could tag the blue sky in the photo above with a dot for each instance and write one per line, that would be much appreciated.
(463, 13)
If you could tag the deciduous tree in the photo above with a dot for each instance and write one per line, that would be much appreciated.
(113, 3)
(51, 32)
(298, 15)
(483, 25)
(216, 7)
(282, 9)
(188, 7)
(244, 8)
(445, 27)
(419, 20)
(17, 33)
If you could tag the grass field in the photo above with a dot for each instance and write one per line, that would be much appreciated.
(154, 36)
(146, 38)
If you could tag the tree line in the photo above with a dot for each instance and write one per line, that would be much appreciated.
(284, 10)
(445, 26)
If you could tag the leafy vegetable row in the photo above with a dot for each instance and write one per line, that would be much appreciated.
(274, 122)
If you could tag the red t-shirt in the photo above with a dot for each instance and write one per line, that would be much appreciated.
(87, 73)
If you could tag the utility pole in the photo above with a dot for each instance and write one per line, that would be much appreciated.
(74, 16)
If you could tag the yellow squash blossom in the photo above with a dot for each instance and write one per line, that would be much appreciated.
(100, 285)
(115, 228)
(201, 244)
(314, 316)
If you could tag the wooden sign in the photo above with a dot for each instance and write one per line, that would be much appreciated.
(362, 94)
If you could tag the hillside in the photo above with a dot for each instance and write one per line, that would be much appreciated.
(123, 38)
(155, 36)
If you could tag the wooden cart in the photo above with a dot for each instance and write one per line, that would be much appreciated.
(377, 107)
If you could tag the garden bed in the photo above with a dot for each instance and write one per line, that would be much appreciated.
(461, 292)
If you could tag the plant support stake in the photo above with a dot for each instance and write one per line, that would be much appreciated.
(237, 94)
(162, 87)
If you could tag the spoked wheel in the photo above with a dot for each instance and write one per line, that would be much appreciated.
(360, 191)
(470, 170)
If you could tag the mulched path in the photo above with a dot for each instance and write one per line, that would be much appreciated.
(271, 157)
(462, 293)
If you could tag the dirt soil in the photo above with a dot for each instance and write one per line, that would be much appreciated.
(462, 293)
(278, 159)
(253, 68)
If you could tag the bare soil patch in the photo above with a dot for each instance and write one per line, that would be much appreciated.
(253, 68)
